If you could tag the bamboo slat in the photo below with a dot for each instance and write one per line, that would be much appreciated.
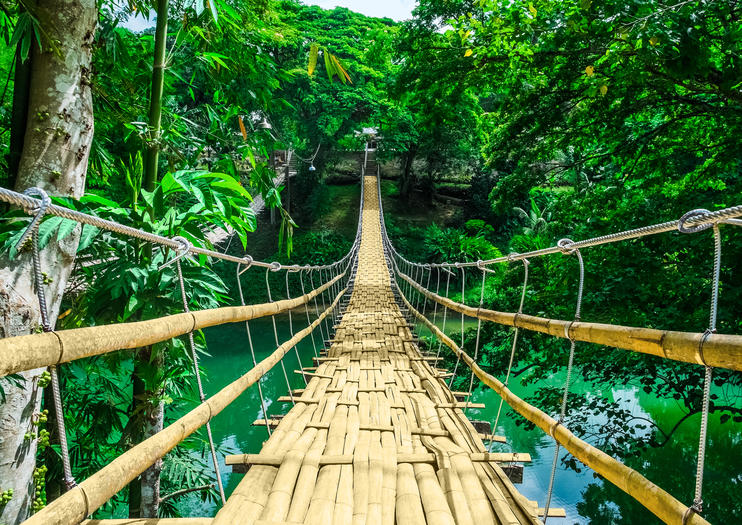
(91, 494)
(658, 501)
(718, 350)
(26, 352)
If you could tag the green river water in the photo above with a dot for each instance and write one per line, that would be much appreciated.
(586, 498)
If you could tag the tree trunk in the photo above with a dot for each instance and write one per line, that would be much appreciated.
(21, 85)
(144, 491)
(406, 183)
(55, 156)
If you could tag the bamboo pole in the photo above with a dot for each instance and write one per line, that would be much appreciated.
(659, 502)
(151, 521)
(27, 352)
(718, 350)
(81, 501)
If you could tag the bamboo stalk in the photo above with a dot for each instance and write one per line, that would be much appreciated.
(91, 494)
(659, 502)
(27, 352)
(718, 350)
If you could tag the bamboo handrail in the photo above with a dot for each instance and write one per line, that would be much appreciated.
(151, 521)
(661, 503)
(73, 506)
(718, 350)
(26, 352)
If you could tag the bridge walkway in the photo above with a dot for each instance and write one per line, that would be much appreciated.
(376, 436)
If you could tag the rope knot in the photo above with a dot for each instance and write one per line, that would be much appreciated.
(565, 245)
(512, 256)
(690, 216)
(480, 264)
(38, 210)
(275, 266)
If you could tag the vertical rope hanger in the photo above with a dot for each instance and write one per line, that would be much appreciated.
(427, 287)
(324, 304)
(274, 268)
(445, 312)
(526, 262)
(479, 329)
(32, 231)
(291, 329)
(437, 291)
(564, 245)
(323, 336)
(463, 301)
(182, 252)
(697, 506)
(306, 309)
(252, 349)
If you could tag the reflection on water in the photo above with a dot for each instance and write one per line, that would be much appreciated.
(586, 499)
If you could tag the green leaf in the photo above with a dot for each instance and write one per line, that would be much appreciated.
(65, 228)
(313, 55)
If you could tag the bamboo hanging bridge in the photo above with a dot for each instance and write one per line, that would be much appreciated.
(376, 436)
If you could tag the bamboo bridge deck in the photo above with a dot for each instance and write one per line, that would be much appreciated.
(376, 436)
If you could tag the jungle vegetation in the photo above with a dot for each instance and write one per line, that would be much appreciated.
(541, 119)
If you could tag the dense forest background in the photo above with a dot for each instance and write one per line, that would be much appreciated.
(505, 126)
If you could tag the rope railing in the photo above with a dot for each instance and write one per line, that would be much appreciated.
(51, 348)
(717, 350)
(31, 206)
(708, 348)
(84, 499)
(658, 501)
(691, 222)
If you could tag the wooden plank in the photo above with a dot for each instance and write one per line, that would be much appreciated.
(314, 374)
(460, 405)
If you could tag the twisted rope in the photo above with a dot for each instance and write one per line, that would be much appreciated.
(567, 248)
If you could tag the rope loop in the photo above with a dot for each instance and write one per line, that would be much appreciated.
(183, 249)
(39, 210)
(565, 245)
(480, 264)
(275, 266)
(706, 334)
(512, 256)
(698, 212)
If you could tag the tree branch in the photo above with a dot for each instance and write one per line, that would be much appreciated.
(182, 492)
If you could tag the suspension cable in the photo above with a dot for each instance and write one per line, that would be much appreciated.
(567, 249)
(690, 221)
